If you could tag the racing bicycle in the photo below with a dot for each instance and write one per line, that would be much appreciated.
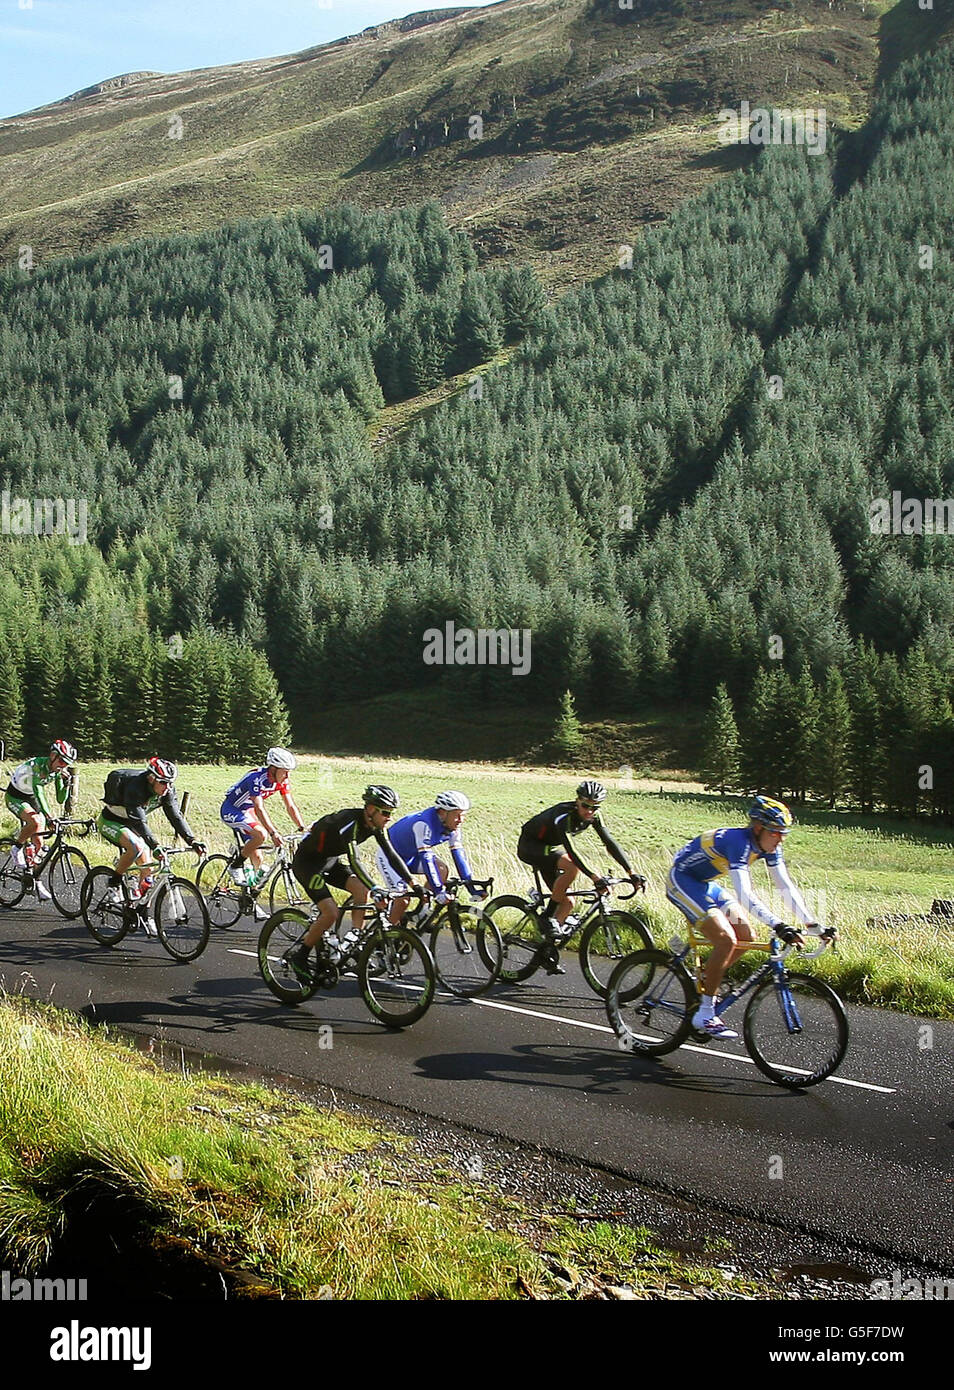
(227, 900)
(65, 867)
(171, 908)
(465, 945)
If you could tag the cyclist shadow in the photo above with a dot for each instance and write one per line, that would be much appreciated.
(561, 1067)
(66, 945)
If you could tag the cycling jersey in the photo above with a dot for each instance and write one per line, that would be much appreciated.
(729, 851)
(30, 780)
(135, 800)
(415, 837)
(550, 831)
(257, 783)
(340, 833)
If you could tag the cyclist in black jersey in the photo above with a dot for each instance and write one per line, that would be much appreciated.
(545, 843)
(317, 863)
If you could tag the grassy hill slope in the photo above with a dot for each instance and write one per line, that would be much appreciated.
(596, 121)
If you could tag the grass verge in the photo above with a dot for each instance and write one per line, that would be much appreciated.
(307, 1202)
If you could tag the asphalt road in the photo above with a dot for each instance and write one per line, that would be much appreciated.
(865, 1157)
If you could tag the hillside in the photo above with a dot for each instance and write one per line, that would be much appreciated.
(597, 122)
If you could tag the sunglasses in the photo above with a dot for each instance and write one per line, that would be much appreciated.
(590, 805)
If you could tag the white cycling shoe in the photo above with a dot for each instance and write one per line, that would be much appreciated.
(713, 1027)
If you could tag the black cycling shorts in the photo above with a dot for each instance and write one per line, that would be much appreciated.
(314, 875)
(540, 857)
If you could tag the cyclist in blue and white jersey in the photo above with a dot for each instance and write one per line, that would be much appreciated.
(415, 837)
(718, 914)
(243, 809)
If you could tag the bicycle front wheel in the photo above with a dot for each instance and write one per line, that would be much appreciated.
(223, 897)
(67, 872)
(12, 879)
(281, 933)
(605, 941)
(467, 951)
(796, 1030)
(650, 1001)
(396, 976)
(104, 908)
(182, 921)
(523, 943)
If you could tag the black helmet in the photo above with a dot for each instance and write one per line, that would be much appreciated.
(382, 797)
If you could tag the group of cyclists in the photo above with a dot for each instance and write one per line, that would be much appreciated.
(326, 856)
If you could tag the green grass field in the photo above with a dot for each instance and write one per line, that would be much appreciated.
(851, 868)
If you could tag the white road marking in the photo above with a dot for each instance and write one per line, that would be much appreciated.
(604, 1028)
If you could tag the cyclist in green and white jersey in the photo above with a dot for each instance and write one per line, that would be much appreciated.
(27, 797)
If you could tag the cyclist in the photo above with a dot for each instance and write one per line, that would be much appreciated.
(317, 863)
(26, 797)
(719, 915)
(129, 796)
(415, 837)
(243, 810)
(545, 844)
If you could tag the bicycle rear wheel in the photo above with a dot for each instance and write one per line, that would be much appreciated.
(12, 880)
(281, 933)
(107, 916)
(223, 897)
(182, 921)
(606, 939)
(796, 1030)
(650, 1001)
(524, 947)
(396, 976)
(467, 951)
(65, 878)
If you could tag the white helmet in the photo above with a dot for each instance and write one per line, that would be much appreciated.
(451, 801)
(280, 757)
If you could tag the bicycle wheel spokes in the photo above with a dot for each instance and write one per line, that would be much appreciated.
(649, 1002)
(103, 906)
(523, 944)
(284, 890)
(280, 934)
(181, 919)
(67, 872)
(396, 976)
(223, 897)
(12, 879)
(796, 1030)
(606, 939)
(467, 952)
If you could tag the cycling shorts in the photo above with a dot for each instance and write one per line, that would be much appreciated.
(113, 831)
(16, 801)
(314, 875)
(542, 857)
(696, 899)
(391, 879)
(243, 821)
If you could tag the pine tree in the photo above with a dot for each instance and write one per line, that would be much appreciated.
(567, 736)
(720, 761)
(831, 755)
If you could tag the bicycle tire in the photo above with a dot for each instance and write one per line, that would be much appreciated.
(467, 953)
(403, 991)
(182, 919)
(524, 947)
(650, 1002)
(281, 932)
(816, 1050)
(12, 880)
(65, 878)
(284, 890)
(223, 897)
(106, 923)
(606, 939)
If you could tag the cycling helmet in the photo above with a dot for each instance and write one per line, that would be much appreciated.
(163, 769)
(64, 750)
(592, 791)
(452, 801)
(382, 797)
(280, 757)
(775, 815)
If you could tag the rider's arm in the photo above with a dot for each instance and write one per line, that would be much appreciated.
(461, 865)
(258, 806)
(293, 810)
(611, 845)
(742, 883)
(173, 815)
(790, 893)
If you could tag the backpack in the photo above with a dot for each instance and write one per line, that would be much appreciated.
(114, 788)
